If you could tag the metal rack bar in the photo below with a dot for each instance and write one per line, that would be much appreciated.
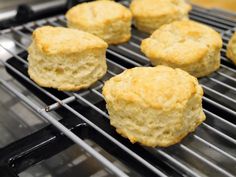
(209, 12)
(66, 131)
(219, 106)
(215, 148)
(225, 75)
(222, 83)
(220, 28)
(224, 22)
(218, 93)
(219, 133)
(232, 126)
(59, 104)
(206, 161)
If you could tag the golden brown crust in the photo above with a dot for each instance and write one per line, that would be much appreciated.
(97, 13)
(106, 19)
(122, 39)
(61, 87)
(231, 49)
(170, 97)
(59, 40)
(142, 87)
(158, 8)
(152, 14)
(185, 44)
(66, 59)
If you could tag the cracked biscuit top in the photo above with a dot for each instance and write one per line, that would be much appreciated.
(158, 87)
(59, 40)
(181, 43)
(97, 12)
(155, 8)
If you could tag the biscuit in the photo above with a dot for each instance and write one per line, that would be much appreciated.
(231, 48)
(185, 44)
(154, 106)
(66, 59)
(150, 15)
(106, 19)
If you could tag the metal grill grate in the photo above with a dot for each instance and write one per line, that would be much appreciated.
(210, 151)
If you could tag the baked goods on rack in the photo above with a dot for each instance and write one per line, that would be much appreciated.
(185, 44)
(108, 20)
(66, 59)
(154, 106)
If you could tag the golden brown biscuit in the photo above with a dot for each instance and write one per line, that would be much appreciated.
(150, 15)
(185, 44)
(155, 106)
(231, 48)
(66, 59)
(106, 19)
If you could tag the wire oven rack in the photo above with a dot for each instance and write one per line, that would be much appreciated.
(210, 151)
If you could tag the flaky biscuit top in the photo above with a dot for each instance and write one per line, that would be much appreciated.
(155, 8)
(97, 13)
(181, 42)
(158, 87)
(58, 40)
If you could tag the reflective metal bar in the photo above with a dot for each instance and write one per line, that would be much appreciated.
(67, 132)
(216, 167)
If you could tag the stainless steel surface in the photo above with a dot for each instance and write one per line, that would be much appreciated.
(73, 162)
(14, 3)
(16, 120)
(210, 151)
(8, 8)
(62, 128)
